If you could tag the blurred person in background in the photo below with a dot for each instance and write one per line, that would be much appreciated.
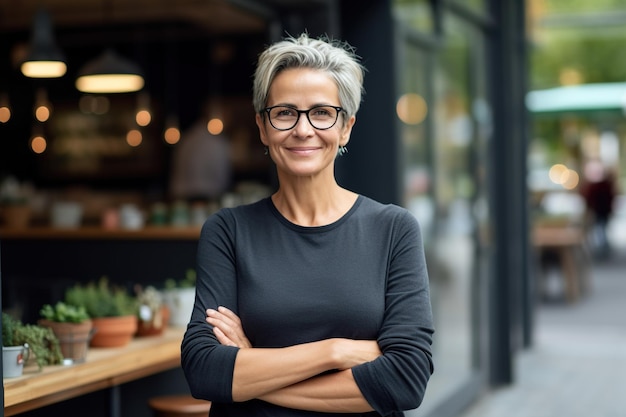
(201, 163)
(599, 194)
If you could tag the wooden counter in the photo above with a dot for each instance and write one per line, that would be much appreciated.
(103, 368)
(94, 232)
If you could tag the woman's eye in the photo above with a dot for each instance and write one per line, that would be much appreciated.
(321, 112)
(285, 112)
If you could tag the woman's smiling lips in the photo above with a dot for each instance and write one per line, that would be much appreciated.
(303, 150)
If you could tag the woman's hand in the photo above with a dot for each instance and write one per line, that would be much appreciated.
(227, 327)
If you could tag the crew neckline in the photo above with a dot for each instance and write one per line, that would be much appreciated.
(310, 229)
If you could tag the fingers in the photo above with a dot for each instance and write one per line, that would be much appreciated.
(227, 327)
(222, 338)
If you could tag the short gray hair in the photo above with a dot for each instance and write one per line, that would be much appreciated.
(336, 58)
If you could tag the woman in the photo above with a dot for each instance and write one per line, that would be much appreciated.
(314, 300)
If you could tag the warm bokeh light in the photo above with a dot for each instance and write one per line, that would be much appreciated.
(5, 114)
(411, 108)
(215, 126)
(572, 180)
(110, 83)
(38, 144)
(143, 117)
(172, 135)
(44, 69)
(42, 113)
(562, 175)
(557, 172)
(134, 137)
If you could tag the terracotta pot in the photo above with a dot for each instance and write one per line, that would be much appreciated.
(73, 337)
(155, 326)
(113, 331)
(16, 216)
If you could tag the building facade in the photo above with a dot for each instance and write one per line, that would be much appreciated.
(442, 131)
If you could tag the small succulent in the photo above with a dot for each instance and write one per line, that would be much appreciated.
(64, 313)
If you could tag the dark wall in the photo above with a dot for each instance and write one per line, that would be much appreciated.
(35, 272)
(371, 166)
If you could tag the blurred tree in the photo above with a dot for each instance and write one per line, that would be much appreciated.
(576, 42)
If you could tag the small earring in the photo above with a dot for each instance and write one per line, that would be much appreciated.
(266, 150)
(342, 150)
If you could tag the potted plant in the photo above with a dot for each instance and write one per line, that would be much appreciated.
(71, 325)
(179, 297)
(15, 208)
(152, 312)
(112, 310)
(21, 341)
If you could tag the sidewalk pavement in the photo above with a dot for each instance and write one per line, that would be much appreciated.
(577, 365)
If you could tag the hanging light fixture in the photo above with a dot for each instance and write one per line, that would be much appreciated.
(110, 73)
(45, 59)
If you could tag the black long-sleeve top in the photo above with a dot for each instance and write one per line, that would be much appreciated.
(361, 277)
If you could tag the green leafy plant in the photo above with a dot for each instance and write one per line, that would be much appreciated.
(42, 342)
(9, 324)
(62, 312)
(101, 299)
(188, 282)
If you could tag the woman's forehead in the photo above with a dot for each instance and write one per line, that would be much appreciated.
(295, 82)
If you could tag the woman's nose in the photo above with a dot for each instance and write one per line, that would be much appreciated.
(303, 127)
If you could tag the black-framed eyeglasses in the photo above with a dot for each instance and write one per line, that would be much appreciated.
(286, 118)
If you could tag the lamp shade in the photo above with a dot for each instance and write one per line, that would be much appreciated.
(109, 73)
(45, 59)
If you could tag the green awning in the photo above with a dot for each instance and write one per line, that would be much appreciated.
(579, 98)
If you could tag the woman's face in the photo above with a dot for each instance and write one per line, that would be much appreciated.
(304, 150)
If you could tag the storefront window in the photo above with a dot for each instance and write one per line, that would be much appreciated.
(445, 126)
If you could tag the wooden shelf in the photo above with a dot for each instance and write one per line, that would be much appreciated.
(99, 233)
(103, 368)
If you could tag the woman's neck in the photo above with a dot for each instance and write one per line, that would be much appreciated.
(307, 202)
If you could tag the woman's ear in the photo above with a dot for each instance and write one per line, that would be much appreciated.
(260, 122)
(346, 131)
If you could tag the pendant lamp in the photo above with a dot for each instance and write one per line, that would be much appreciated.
(45, 59)
(110, 73)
